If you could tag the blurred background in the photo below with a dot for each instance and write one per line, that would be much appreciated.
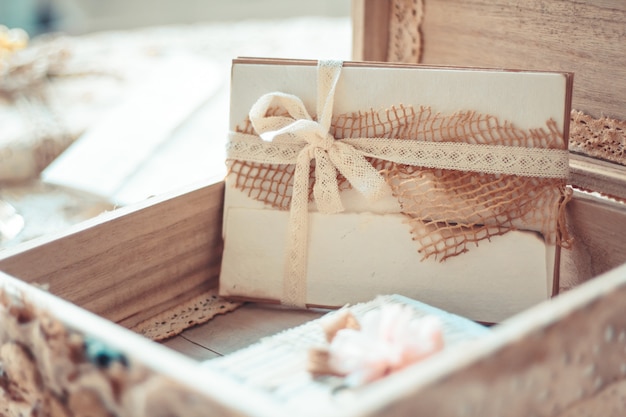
(81, 16)
(115, 101)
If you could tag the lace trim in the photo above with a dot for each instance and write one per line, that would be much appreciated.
(490, 159)
(405, 38)
(602, 138)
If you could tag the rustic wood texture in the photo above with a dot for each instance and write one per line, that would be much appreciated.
(600, 176)
(245, 326)
(370, 38)
(132, 263)
(157, 381)
(598, 227)
(587, 37)
(535, 363)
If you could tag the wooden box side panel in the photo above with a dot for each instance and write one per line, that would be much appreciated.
(585, 37)
(563, 358)
(370, 25)
(598, 227)
(133, 263)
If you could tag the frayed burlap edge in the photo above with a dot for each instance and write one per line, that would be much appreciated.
(198, 310)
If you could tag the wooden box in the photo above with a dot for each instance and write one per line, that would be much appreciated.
(561, 358)
(565, 357)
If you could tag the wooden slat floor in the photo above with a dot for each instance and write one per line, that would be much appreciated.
(230, 332)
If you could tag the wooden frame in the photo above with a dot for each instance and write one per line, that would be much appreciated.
(90, 252)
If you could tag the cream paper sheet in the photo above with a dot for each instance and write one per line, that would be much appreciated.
(368, 250)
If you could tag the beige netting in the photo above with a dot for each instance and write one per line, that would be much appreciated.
(603, 138)
(448, 210)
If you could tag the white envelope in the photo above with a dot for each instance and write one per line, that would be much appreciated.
(368, 249)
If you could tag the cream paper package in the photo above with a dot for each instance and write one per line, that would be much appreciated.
(349, 180)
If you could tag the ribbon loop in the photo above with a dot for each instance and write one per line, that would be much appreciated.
(265, 125)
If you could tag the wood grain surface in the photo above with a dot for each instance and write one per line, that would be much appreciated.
(134, 262)
(587, 37)
(595, 175)
(233, 331)
(370, 26)
(598, 226)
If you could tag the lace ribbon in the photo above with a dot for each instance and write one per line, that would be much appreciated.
(297, 139)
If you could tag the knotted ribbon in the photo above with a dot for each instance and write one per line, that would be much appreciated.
(297, 139)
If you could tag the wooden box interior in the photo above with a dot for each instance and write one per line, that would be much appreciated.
(131, 264)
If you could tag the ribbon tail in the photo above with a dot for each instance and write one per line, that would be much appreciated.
(326, 188)
(294, 282)
(328, 73)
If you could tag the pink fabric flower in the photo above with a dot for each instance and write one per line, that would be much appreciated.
(389, 340)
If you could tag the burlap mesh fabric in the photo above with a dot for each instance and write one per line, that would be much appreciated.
(448, 211)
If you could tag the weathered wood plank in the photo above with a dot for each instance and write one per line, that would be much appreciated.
(599, 176)
(132, 263)
(246, 325)
(370, 25)
(598, 226)
(190, 349)
(587, 37)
